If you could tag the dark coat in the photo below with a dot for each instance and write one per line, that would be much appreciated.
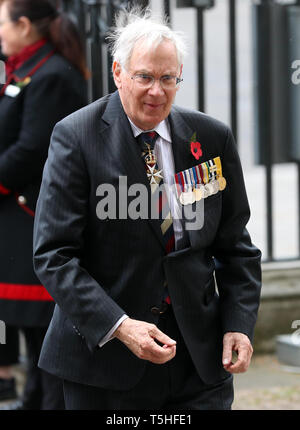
(26, 122)
(96, 270)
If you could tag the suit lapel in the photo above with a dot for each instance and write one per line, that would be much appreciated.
(123, 144)
(183, 158)
(181, 134)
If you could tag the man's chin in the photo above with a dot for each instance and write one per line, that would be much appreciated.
(151, 121)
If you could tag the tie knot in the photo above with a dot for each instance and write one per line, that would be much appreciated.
(148, 138)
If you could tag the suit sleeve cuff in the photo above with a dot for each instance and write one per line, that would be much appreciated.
(109, 336)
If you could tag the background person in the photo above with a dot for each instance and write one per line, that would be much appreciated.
(46, 80)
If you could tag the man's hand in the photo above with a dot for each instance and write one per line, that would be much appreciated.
(140, 337)
(240, 343)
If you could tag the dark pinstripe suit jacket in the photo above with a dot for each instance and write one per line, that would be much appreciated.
(98, 269)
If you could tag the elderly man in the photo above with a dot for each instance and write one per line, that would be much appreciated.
(149, 307)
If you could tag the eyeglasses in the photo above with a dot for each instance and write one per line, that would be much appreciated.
(167, 82)
(4, 22)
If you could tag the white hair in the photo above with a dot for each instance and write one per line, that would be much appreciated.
(136, 25)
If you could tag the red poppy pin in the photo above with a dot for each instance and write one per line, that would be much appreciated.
(196, 147)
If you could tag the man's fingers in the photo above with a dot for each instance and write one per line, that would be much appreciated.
(162, 337)
(227, 351)
(142, 339)
(241, 364)
(239, 367)
(153, 352)
(160, 354)
(241, 344)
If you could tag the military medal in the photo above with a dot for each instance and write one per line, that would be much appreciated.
(220, 177)
(216, 186)
(184, 188)
(186, 198)
(153, 174)
(180, 182)
(197, 191)
(222, 183)
(183, 198)
(211, 186)
(199, 182)
(190, 197)
(213, 171)
(208, 187)
(200, 174)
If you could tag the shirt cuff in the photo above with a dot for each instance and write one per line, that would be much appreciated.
(109, 336)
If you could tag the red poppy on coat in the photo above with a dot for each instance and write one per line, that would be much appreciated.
(196, 150)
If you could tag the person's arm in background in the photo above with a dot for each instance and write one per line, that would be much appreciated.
(46, 101)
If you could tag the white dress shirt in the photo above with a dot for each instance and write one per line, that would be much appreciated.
(165, 160)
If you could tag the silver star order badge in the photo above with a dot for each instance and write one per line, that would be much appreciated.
(154, 175)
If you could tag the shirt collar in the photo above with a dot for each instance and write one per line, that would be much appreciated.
(163, 129)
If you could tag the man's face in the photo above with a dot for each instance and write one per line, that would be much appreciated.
(147, 107)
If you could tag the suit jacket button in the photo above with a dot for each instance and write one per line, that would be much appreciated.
(22, 200)
(155, 310)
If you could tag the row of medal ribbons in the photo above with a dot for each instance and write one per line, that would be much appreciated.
(200, 182)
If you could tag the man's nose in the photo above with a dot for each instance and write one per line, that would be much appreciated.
(156, 88)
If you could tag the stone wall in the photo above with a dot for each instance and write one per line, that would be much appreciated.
(280, 304)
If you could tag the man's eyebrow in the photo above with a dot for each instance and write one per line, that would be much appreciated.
(146, 72)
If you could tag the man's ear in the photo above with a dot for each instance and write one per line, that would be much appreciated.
(117, 74)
